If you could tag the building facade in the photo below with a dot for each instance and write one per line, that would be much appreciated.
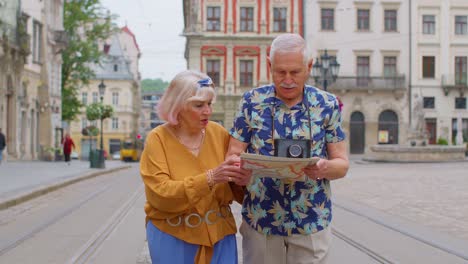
(403, 71)
(30, 106)
(370, 40)
(230, 40)
(439, 60)
(120, 74)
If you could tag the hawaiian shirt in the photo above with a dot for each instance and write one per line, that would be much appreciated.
(282, 207)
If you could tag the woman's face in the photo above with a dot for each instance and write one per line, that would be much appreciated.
(196, 114)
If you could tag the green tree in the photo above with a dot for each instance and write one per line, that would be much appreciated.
(87, 24)
(148, 85)
(98, 111)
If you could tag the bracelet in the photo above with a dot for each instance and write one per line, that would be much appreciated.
(209, 174)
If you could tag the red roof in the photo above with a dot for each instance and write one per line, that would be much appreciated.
(127, 30)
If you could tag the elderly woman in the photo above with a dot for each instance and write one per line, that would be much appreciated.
(189, 183)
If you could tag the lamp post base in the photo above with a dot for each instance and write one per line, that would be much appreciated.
(97, 160)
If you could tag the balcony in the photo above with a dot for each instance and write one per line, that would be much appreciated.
(24, 43)
(371, 83)
(454, 82)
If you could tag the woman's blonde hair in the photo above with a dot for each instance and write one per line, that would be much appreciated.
(187, 86)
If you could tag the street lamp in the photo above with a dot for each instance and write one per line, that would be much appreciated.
(325, 70)
(102, 89)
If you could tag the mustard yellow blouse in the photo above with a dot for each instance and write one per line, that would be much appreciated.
(176, 186)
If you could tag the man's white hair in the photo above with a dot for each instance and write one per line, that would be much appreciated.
(287, 43)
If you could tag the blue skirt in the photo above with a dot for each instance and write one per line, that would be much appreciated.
(165, 248)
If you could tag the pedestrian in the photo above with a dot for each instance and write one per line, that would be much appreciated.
(287, 221)
(2, 144)
(68, 144)
(188, 183)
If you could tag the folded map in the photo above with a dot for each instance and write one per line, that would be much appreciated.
(276, 167)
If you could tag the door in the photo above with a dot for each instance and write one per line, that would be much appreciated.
(357, 133)
(431, 128)
(388, 123)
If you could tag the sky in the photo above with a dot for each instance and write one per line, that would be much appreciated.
(157, 25)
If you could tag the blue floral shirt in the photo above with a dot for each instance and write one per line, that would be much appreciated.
(280, 207)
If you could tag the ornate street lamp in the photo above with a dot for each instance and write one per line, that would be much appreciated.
(102, 89)
(325, 70)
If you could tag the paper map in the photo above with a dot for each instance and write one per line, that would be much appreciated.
(276, 167)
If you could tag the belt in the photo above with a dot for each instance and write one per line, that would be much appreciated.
(224, 211)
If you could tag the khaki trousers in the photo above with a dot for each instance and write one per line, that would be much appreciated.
(258, 248)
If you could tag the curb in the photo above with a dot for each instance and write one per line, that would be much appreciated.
(35, 192)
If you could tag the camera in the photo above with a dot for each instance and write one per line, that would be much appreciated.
(292, 148)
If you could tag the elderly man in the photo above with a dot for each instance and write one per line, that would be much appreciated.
(289, 221)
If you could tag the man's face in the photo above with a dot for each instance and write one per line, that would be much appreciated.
(289, 76)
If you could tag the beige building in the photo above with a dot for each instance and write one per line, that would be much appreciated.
(439, 61)
(30, 105)
(370, 41)
(119, 73)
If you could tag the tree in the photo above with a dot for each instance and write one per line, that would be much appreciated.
(148, 85)
(87, 24)
(98, 111)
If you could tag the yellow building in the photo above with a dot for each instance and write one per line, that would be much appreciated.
(119, 73)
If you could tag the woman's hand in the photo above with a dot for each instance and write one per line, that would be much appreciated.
(231, 171)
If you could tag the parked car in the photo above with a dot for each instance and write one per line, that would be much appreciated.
(74, 155)
(116, 155)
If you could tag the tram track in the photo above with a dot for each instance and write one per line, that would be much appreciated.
(91, 247)
(50, 221)
(73, 224)
(360, 247)
(394, 227)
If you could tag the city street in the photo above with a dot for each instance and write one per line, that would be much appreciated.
(383, 213)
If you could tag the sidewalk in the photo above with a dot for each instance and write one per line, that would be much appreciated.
(24, 180)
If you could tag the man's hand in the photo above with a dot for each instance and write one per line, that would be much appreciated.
(317, 171)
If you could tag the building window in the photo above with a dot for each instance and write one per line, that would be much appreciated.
(115, 123)
(37, 42)
(460, 71)
(279, 19)
(246, 19)
(429, 102)
(115, 98)
(246, 73)
(428, 67)
(93, 123)
(461, 25)
(460, 103)
(213, 68)
(465, 129)
(363, 70)
(213, 18)
(84, 123)
(390, 20)
(95, 97)
(363, 19)
(328, 19)
(116, 68)
(428, 24)
(84, 98)
(390, 67)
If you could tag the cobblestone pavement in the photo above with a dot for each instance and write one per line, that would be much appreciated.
(431, 194)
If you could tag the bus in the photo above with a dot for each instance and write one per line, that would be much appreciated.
(131, 149)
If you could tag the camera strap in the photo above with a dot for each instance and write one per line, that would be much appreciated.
(273, 113)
